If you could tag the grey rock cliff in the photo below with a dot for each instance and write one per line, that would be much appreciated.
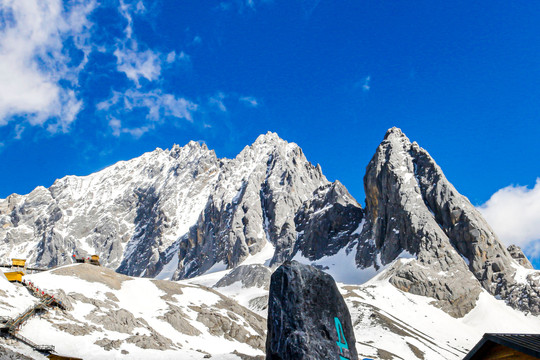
(518, 255)
(254, 201)
(411, 207)
(303, 305)
(327, 223)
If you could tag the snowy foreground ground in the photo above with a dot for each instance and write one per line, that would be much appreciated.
(115, 317)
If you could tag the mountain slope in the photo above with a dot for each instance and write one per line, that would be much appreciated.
(115, 316)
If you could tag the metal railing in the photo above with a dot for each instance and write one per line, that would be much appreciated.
(43, 348)
(13, 325)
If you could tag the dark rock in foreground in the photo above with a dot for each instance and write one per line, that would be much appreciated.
(307, 316)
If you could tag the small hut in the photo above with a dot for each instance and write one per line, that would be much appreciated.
(14, 276)
(506, 346)
(94, 260)
(18, 263)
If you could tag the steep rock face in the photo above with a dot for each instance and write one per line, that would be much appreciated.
(128, 214)
(254, 201)
(328, 222)
(411, 207)
(303, 306)
(172, 213)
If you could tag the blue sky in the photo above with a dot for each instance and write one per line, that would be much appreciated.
(83, 85)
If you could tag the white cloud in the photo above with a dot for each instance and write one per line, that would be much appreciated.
(171, 57)
(137, 64)
(155, 103)
(514, 214)
(132, 61)
(33, 61)
(249, 101)
(217, 101)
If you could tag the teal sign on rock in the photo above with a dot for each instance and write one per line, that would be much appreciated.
(342, 342)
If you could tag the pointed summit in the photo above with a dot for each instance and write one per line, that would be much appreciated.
(411, 207)
(269, 137)
(394, 132)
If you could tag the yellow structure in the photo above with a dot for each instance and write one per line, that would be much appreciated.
(18, 262)
(14, 276)
(94, 260)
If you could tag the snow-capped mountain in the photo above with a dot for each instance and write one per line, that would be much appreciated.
(418, 267)
(169, 212)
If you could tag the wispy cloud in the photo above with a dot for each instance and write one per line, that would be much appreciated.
(249, 101)
(366, 83)
(241, 5)
(514, 214)
(309, 6)
(38, 79)
(139, 64)
(131, 60)
(217, 101)
(155, 105)
(197, 40)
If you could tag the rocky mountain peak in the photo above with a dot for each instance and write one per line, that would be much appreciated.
(412, 208)
(191, 149)
(269, 138)
(394, 133)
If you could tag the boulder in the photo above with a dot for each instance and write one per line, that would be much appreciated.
(307, 316)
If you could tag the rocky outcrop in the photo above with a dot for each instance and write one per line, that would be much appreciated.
(255, 200)
(518, 255)
(150, 314)
(249, 275)
(178, 213)
(411, 207)
(8, 354)
(328, 222)
(307, 316)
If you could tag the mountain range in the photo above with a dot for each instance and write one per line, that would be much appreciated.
(186, 216)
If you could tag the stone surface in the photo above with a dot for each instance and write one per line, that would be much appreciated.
(518, 255)
(327, 223)
(303, 305)
(255, 200)
(249, 275)
(187, 211)
(8, 354)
